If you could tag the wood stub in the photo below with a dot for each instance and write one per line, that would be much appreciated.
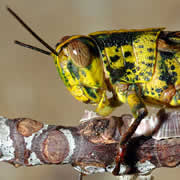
(27, 127)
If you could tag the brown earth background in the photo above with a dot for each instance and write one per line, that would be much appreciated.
(29, 83)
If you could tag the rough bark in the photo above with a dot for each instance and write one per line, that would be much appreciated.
(90, 147)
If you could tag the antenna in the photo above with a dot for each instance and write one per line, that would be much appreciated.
(32, 47)
(32, 32)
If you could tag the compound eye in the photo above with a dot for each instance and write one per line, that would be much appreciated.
(79, 53)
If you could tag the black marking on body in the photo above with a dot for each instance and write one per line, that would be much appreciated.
(137, 77)
(150, 49)
(117, 74)
(165, 74)
(83, 73)
(158, 90)
(73, 69)
(114, 58)
(117, 50)
(151, 57)
(174, 74)
(146, 78)
(127, 54)
(149, 73)
(150, 64)
(127, 79)
(105, 62)
(57, 44)
(90, 92)
(172, 67)
(141, 74)
(141, 46)
(138, 68)
(63, 76)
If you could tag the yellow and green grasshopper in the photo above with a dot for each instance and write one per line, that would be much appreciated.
(108, 68)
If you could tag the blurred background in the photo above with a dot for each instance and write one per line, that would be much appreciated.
(29, 83)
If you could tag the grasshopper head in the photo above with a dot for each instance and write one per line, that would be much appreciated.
(80, 67)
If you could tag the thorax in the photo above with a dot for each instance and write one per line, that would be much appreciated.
(128, 56)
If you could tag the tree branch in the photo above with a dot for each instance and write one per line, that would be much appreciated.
(90, 147)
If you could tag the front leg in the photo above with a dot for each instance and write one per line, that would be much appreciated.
(131, 94)
(139, 111)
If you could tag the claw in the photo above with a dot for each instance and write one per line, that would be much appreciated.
(80, 176)
(124, 140)
(119, 160)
